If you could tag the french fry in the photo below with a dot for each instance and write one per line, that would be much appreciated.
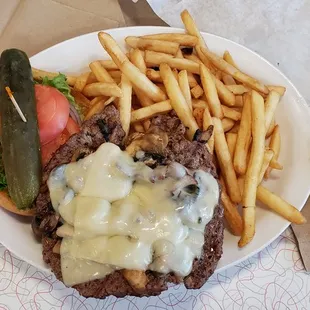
(125, 104)
(231, 113)
(228, 58)
(140, 81)
(158, 58)
(151, 111)
(199, 103)
(102, 89)
(209, 88)
(180, 38)
(153, 45)
(109, 64)
(231, 213)
(81, 100)
(275, 165)
(97, 99)
(190, 76)
(112, 48)
(225, 162)
(194, 58)
(176, 74)
(115, 74)
(138, 127)
(207, 121)
(98, 107)
(276, 204)
(146, 124)
(279, 89)
(228, 80)
(191, 27)
(254, 167)
(266, 161)
(179, 54)
(136, 57)
(271, 104)
(275, 145)
(275, 142)
(154, 76)
(225, 95)
(144, 100)
(38, 75)
(243, 138)
(184, 85)
(136, 77)
(241, 183)
(162, 87)
(235, 128)
(197, 91)
(238, 109)
(101, 74)
(81, 81)
(205, 60)
(155, 59)
(271, 128)
(231, 139)
(239, 101)
(224, 66)
(198, 114)
(279, 205)
(227, 124)
(238, 89)
(91, 78)
(178, 101)
(218, 75)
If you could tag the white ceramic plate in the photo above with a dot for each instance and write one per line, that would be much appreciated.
(293, 183)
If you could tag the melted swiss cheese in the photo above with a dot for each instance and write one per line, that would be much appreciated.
(115, 216)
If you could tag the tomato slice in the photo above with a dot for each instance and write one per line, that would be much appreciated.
(50, 148)
(72, 127)
(53, 112)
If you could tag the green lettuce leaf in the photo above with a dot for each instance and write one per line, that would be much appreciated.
(60, 82)
(3, 183)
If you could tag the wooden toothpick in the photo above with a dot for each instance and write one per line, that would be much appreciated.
(10, 94)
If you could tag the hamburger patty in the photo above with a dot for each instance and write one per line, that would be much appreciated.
(193, 155)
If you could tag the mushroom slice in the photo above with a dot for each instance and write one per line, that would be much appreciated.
(186, 181)
(203, 136)
(136, 278)
(49, 223)
(185, 192)
(35, 225)
(154, 141)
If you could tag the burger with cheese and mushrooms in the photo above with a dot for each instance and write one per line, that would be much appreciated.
(127, 217)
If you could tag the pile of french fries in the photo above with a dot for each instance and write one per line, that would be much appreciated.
(175, 71)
